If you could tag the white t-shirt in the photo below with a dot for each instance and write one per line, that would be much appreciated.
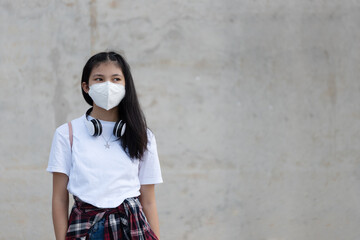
(103, 177)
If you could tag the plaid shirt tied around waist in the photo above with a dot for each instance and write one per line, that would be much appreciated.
(126, 221)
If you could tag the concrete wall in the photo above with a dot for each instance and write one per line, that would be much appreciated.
(254, 104)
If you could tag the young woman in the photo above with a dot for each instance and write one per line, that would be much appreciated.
(107, 159)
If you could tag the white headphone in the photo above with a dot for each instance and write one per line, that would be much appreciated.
(95, 128)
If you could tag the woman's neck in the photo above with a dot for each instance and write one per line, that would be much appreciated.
(110, 115)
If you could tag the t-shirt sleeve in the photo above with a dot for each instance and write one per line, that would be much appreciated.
(60, 153)
(149, 165)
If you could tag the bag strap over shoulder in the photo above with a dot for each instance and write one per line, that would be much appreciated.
(70, 134)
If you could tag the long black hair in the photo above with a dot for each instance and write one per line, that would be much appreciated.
(134, 140)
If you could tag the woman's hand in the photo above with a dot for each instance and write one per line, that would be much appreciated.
(60, 204)
(148, 202)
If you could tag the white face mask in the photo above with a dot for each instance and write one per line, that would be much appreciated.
(107, 95)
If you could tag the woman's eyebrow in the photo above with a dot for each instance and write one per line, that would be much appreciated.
(116, 74)
(100, 75)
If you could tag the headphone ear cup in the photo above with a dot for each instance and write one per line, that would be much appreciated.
(119, 128)
(123, 129)
(97, 126)
(94, 127)
(90, 127)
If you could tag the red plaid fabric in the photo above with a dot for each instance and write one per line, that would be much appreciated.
(127, 221)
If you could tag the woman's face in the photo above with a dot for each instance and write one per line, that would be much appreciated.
(107, 71)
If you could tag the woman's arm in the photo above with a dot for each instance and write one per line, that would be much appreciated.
(60, 204)
(147, 199)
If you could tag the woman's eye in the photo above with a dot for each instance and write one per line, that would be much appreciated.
(98, 79)
(117, 79)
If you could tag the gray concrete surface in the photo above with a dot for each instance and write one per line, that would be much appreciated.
(255, 106)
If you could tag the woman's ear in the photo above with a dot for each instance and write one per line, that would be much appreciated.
(85, 87)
